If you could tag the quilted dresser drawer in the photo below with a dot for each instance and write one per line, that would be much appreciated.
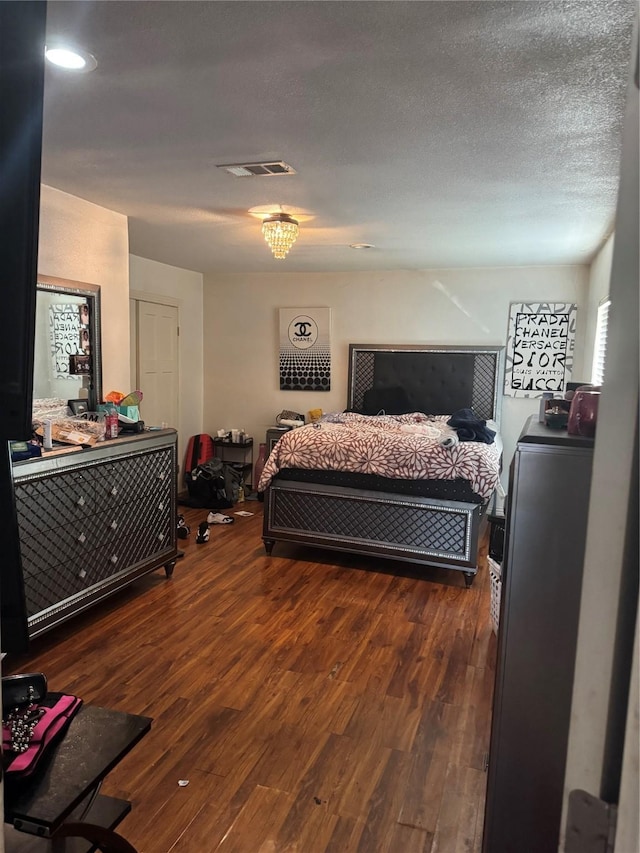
(92, 522)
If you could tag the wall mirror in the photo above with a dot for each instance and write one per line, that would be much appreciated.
(67, 360)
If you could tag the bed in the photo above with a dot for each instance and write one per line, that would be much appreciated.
(425, 516)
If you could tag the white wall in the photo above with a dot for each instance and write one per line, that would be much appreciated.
(231, 325)
(237, 317)
(599, 280)
(609, 585)
(455, 306)
(185, 286)
(84, 242)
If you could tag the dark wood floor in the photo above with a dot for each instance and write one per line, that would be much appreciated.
(312, 705)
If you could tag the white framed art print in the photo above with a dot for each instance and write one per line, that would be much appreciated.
(540, 343)
(305, 349)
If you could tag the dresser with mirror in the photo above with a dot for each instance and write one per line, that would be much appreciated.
(91, 518)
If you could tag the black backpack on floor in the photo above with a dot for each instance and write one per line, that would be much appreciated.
(206, 485)
(214, 484)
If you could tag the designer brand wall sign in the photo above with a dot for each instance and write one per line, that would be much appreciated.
(64, 337)
(305, 350)
(540, 345)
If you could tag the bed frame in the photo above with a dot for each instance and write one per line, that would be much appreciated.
(419, 530)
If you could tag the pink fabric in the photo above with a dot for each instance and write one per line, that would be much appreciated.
(48, 726)
(382, 445)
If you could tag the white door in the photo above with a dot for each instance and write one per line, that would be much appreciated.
(155, 328)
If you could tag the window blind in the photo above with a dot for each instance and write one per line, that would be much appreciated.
(600, 345)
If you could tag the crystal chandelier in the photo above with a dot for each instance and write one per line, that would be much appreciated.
(281, 232)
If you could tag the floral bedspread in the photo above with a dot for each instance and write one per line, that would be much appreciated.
(406, 447)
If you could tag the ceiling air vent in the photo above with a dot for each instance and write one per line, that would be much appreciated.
(248, 170)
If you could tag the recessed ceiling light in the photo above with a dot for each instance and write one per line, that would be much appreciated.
(361, 246)
(71, 59)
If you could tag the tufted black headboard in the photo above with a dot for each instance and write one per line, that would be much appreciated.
(436, 380)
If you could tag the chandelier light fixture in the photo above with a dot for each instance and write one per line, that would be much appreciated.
(281, 232)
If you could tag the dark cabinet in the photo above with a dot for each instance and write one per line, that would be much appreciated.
(545, 534)
(91, 522)
(274, 434)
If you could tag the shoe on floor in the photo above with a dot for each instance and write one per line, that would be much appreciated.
(219, 518)
(183, 530)
(203, 533)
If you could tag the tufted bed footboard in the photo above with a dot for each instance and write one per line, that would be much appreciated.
(419, 530)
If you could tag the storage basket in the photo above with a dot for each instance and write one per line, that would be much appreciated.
(495, 577)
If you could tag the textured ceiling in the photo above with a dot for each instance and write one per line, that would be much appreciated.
(445, 133)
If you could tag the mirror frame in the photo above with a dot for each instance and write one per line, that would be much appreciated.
(51, 284)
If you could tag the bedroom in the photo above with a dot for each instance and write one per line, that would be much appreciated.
(468, 305)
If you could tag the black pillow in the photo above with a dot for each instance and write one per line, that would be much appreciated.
(391, 401)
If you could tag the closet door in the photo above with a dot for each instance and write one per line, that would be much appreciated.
(155, 329)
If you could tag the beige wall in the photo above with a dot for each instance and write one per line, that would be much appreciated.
(459, 306)
(184, 286)
(84, 242)
(229, 345)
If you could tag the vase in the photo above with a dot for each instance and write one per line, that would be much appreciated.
(260, 462)
(583, 413)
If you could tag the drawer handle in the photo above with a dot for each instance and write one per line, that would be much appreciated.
(114, 525)
(82, 538)
(114, 491)
(161, 536)
(81, 501)
(114, 559)
(82, 574)
(160, 476)
(160, 506)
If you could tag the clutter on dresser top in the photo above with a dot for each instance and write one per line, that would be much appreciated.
(59, 423)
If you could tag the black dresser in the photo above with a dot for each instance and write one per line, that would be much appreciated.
(92, 521)
(546, 522)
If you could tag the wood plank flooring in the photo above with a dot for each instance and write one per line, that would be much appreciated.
(313, 705)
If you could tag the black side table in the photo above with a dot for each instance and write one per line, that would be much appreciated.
(238, 454)
(60, 804)
(274, 434)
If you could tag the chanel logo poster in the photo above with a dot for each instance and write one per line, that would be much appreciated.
(305, 351)
(540, 346)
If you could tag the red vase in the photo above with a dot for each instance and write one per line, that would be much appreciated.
(260, 461)
(583, 413)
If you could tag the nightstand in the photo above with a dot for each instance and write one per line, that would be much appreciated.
(274, 434)
(238, 454)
